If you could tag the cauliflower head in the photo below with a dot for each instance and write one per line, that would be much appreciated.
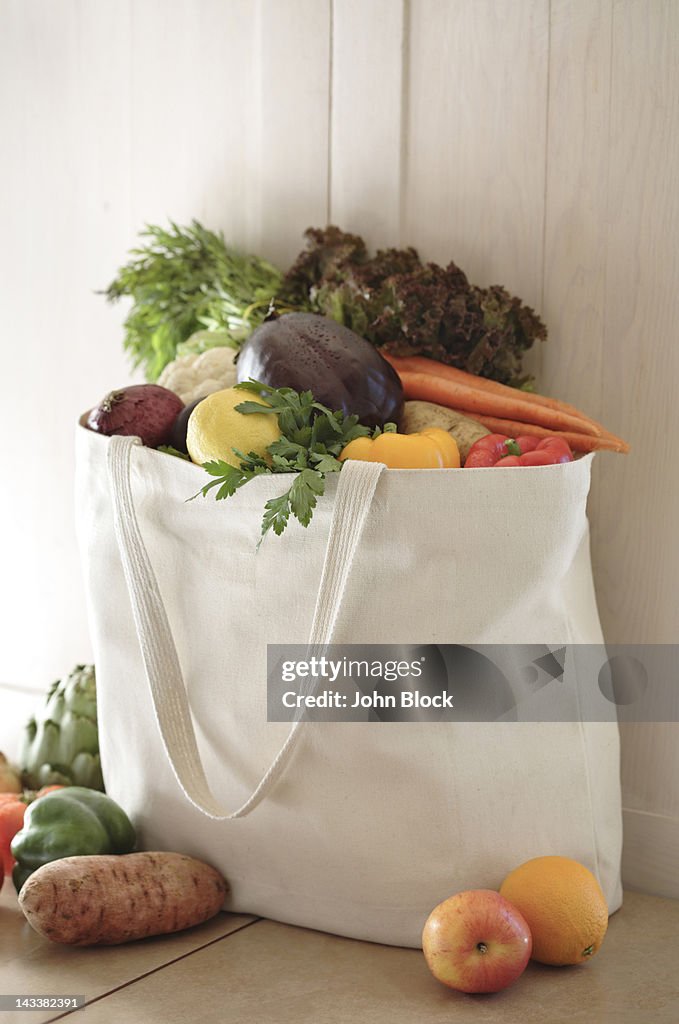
(195, 376)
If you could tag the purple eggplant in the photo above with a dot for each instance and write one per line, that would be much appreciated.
(180, 425)
(313, 353)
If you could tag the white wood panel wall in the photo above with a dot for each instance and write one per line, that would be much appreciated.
(535, 142)
(367, 118)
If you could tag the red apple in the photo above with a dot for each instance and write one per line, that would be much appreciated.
(476, 941)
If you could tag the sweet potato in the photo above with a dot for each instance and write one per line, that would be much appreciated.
(423, 415)
(106, 900)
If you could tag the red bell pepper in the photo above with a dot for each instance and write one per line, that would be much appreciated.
(527, 450)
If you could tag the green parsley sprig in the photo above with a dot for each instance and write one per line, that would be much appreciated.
(313, 437)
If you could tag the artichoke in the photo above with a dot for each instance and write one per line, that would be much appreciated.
(61, 745)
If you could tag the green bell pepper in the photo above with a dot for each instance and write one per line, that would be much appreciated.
(70, 822)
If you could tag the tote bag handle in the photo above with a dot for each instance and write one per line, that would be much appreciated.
(355, 490)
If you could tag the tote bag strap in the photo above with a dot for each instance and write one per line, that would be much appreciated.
(355, 490)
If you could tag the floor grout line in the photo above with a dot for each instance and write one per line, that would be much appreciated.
(18, 688)
(154, 970)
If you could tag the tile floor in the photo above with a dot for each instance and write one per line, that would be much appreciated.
(244, 970)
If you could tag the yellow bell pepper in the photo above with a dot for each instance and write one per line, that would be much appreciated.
(428, 449)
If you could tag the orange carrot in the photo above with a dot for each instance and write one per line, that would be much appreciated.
(464, 397)
(420, 364)
(578, 442)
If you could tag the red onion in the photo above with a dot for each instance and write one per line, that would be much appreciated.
(147, 411)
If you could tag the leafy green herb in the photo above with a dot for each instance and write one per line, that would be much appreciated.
(312, 439)
(182, 279)
(406, 307)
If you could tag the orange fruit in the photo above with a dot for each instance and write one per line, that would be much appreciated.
(564, 906)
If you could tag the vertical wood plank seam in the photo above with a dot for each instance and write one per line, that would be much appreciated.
(404, 120)
(255, 190)
(545, 207)
(602, 411)
(331, 64)
(130, 121)
(607, 203)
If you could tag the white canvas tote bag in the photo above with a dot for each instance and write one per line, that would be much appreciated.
(354, 828)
